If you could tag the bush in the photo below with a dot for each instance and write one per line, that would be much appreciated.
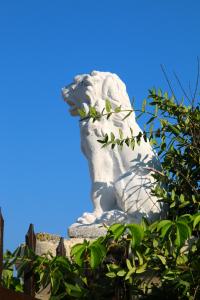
(140, 261)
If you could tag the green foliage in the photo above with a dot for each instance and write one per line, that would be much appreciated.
(8, 279)
(173, 129)
(178, 137)
(131, 260)
(136, 261)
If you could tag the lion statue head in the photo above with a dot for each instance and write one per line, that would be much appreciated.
(93, 90)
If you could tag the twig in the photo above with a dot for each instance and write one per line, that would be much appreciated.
(155, 171)
(183, 90)
(169, 84)
(197, 82)
(115, 112)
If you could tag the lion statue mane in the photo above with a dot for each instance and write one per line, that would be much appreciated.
(121, 178)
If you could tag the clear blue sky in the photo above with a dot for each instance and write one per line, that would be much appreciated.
(44, 177)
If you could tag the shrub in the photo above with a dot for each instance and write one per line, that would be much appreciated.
(139, 261)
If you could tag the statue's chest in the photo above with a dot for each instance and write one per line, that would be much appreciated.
(97, 129)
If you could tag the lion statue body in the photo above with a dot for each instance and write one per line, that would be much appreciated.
(121, 178)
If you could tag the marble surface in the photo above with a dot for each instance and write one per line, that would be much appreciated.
(121, 180)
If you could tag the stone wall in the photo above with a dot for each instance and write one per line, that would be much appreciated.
(46, 242)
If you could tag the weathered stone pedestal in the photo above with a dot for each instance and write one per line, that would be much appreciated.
(77, 234)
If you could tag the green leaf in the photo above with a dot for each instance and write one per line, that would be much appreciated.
(56, 277)
(182, 198)
(150, 120)
(137, 234)
(194, 199)
(153, 226)
(173, 129)
(145, 136)
(128, 263)
(118, 109)
(140, 258)
(82, 112)
(126, 116)
(131, 269)
(151, 129)
(93, 112)
(121, 273)
(95, 257)
(132, 143)
(184, 204)
(108, 106)
(141, 269)
(100, 244)
(172, 205)
(113, 267)
(159, 93)
(111, 274)
(153, 142)
(163, 223)
(163, 146)
(127, 141)
(155, 243)
(139, 116)
(138, 138)
(101, 141)
(164, 226)
(76, 248)
(77, 253)
(173, 195)
(182, 260)
(166, 95)
(106, 138)
(128, 275)
(144, 223)
(121, 134)
(109, 115)
(196, 220)
(58, 297)
(74, 290)
(156, 110)
(163, 122)
(144, 105)
(162, 258)
(112, 137)
(165, 229)
(183, 231)
(186, 218)
(117, 230)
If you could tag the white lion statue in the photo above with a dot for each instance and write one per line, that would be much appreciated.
(121, 178)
